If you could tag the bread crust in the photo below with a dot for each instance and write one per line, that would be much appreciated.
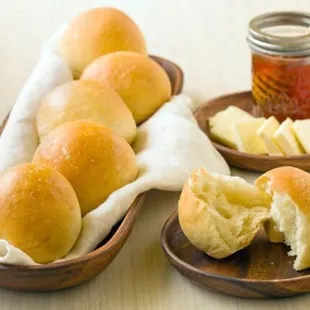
(140, 81)
(290, 180)
(290, 211)
(98, 32)
(212, 230)
(85, 100)
(39, 212)
(94, 159)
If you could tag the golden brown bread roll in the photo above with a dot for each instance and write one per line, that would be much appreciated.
(290, 210)
(221, 214)
(98, 32)
(140, 81)
(39, 212)
(94, 159)
(85, 100)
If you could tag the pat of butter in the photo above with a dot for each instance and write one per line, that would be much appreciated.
(265, 132)
(221, 125)
(248, 141)
(302, 132)
(285, 139)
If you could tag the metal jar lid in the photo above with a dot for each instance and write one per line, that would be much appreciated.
(280, 33)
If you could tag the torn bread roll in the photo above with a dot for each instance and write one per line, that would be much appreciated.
(221, 215)
(290, 210)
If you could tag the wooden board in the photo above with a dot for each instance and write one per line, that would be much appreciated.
(261, 270)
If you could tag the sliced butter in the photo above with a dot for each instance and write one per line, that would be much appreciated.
(285, 139)
(247, 140)
(265, 132)
(222, 122)
(302, 132)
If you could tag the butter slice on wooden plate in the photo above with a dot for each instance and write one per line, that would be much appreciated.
(285, 138)
(302, 132)
(265, 132)
(221, 125)
(246, 137)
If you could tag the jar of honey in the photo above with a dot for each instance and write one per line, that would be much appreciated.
(280, 45)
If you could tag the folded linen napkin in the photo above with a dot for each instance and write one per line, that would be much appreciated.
(169, 146)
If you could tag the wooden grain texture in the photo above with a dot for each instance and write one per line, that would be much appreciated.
(174, 72)
(261, 270)
(75, 271)
(251, 162)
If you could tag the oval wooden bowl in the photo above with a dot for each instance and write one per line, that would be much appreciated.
(262, 270)
(238, 159)
(75, 271)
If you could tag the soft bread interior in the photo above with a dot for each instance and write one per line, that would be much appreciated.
(221, 214)
(292, 222)
(289, 221)
(271, 229)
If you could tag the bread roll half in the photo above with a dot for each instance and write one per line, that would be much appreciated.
(290, 211)
(220, 214)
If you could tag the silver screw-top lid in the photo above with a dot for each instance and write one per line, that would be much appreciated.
(281, 33)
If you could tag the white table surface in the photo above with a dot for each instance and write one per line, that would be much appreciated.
(207, 39)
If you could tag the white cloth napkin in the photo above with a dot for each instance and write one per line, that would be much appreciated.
(169, 146)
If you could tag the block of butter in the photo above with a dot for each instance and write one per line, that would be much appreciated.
(221, 125)
(302, 132)
(265, 132)
(246, 137)
(285, 138)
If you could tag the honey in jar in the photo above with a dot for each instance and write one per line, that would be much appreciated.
(280, 44)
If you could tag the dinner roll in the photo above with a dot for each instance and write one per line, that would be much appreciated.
(141, 82)
(98, 32)
(85, 100)
(39, 212)
(290, 210)
(94, 159)
(221, 214)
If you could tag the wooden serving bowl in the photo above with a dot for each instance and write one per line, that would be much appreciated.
(238, 159)
(71, 272)
(261, 270)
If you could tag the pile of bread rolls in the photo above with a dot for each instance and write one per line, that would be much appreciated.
(221, 214)
(85, 129)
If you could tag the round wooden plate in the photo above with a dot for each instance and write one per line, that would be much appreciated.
(238, 159)
(262, 270)
(71, 272)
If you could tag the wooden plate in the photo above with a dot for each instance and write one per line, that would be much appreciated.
(75, 271)
(262, 270)
(238, 159)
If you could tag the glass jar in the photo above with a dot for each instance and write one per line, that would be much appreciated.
(280, 45)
